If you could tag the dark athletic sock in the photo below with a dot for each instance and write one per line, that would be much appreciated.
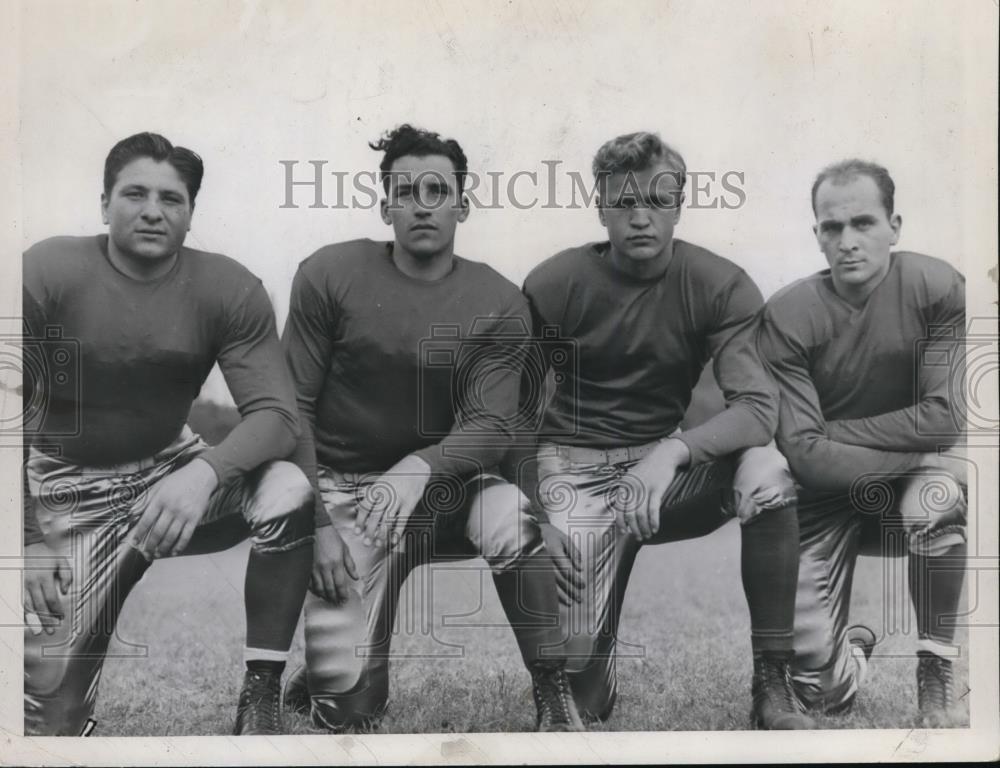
(935, 589)
(528, 595)
(770, 568)
(274, 590)
(263, 667)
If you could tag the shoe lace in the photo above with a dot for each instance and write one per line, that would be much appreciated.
(259, 701)
(934, 682)
(776, 684)
(552, 695)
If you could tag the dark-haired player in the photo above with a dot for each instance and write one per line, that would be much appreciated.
(403, 445)
(646, 311)
(116, 478)
(866, 354)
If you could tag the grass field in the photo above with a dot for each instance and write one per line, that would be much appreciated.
(687, 667)
(684, 656)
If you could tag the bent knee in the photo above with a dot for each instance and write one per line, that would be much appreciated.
(929, 494)
(502, 526)
(763, 482)
(280, 511)
(933, 508)
(282, 489)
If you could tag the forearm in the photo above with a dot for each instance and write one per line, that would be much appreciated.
(486, 414)
(924, 427)
(260, 437)
(821, 464)
(731, 430)
(462, 454)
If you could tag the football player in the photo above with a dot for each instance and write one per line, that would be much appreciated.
(134, 321)
(867, 355)
(406, 361)
(645, 311)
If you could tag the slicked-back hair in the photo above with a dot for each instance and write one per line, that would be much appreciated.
(187, 163)
(847, 170)
(408, 140)
(637, 152)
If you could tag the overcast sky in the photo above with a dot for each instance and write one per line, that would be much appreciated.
(772, 90)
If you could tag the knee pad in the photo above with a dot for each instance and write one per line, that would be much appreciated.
(289, 531)
(503, 529)
(281, 507)
(762, 482)
(934, 509)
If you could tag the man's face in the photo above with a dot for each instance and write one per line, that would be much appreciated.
(424, 204)
(148, 212)
(640, 210)
(854, 231)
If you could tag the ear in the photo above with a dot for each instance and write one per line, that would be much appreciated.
(463, 213)
(677, 211)
(815, 229)
(384, 210)
(104, 208)
(600, 213)
(896, 222)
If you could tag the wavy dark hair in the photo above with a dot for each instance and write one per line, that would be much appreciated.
(408, 140)
(188, 164)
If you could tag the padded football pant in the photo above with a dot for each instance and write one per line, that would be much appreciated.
(86, 515)
(348, 645)
(878, 520)
(579, 498)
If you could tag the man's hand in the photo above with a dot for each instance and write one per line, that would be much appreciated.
(389, 501)
(46, 577)
(645, 486)
(173, 509)
(567, 561)
(332, 566)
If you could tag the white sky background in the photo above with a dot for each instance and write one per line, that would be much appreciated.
(773, 89)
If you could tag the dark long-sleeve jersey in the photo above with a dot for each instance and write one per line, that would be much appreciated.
(640, 346)
(113, 364)
(386, 365)
(866, 390)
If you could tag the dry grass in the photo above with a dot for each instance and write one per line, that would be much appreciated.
(688, 667)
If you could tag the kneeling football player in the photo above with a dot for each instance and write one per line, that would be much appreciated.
(645, 311)
(867, 355)
(115, 477)
(404, 446)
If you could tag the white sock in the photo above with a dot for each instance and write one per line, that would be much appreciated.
(263, 654)
(938, 649)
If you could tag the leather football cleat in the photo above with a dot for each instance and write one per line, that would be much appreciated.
(259, 710)
(934, 686)
(556, 710)
(775, 706)
(295, 696)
